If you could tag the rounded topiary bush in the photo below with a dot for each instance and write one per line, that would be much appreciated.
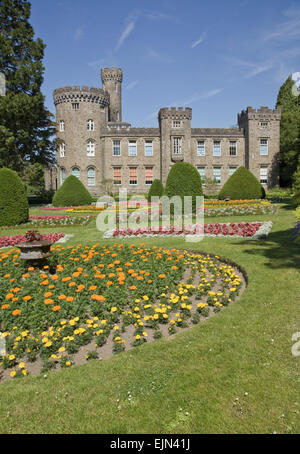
(156, 189)
(13, 201)
(184, 180)
(242, 185)
(71, 193)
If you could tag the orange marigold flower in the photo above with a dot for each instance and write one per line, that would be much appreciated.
(132, 287)
(56, 308)
(98, 297)
(27, 298)
(62, 297)
(161, 276)
(48, 301)
(5, 306)
(93, 287)
(109, 283)
(48, 294)
(9, 296)
(70, 299)
(16, 312)
(66, 279)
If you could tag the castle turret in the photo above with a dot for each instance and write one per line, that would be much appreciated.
(112, 83)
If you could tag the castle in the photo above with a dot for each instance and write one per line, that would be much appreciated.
(96, 146)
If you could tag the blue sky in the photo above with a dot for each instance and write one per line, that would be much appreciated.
(215, 57)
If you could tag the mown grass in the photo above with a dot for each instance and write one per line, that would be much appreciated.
(244, 349)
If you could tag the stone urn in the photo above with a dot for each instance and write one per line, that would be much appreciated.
(35, 251)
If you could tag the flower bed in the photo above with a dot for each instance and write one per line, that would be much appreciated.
(239, 210)
(241, 229)
(52, 221)
(89, 296)
(6, 241)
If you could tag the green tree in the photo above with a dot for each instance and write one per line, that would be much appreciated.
(184, 180)
(71, 193)
(156, 189)
(13, 200)
(33, 177)
(242, 185)
(26, 125)
(289, 131)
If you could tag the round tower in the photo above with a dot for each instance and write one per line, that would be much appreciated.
(81, 113)
(112, 83)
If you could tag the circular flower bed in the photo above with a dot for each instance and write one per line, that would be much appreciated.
(103, 297)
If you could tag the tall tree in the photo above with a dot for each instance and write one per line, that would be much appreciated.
(26, 126)
(289, 131)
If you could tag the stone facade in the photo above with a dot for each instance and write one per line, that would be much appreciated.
(102, 150)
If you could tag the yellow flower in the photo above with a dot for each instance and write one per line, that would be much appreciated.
(11, 357)
(13, 373)
(21, 365)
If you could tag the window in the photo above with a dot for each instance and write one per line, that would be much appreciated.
(201, 171)
(117, 175)
(132, 175)
(232, 169)
(132, 147)
(117, 116)
(200, 148)
(264, 124)
(90, 148)
(91, 178)
(263, 174)
(148, 148)
(148, 175)
(62, 175)
(61, 125)
(116, 87)
(76, 172)
(217, 148)
(232, 148)
(217, 174)
(117, 148)
(176, 124)
(263, 147)
(177, 145)
(90, 125)
(75, 105)
(62, 149)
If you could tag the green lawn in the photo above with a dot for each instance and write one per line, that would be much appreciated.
(189, 382)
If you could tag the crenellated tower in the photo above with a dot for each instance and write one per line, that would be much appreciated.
(112, 84)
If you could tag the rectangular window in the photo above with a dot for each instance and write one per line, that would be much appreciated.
(116, 148)
(217, 148)
(176, 124)
(263, 147)
(264, 124)
(132, 147)
(117, 178)
(263, 174)
(200, 148)
(177, 145)
(232, 169)
(201, 171)
(148, 175)
(132, 175)
(75, 105)
(217, 174)
(232, 148)
(148, 148)
(62, 149)
(62, 126)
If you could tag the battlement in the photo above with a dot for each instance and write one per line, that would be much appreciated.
(115, 74)
(76, 93)
(175, 113)
(257, 114)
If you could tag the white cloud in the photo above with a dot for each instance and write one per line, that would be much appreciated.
(128, 29)
(288, 29)
(198, 41)
(131, 85)
(96, 63)
(78, 34)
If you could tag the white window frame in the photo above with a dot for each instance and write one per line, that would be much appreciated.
(232, 148)
(61, 126)
(116, 147)
(230, 173)
(216, 177)
(265, 150)
(203, 177)
(148, 182)
(75, 174)
(263, 176)
(132, 148)
(117, 182)
(177, 145)
(91, 181)
(62, 175)
(147, 145)
(90, 125)
(62, 150)
(136, 181)
(201, 148)
(215, 149)
(90, 148)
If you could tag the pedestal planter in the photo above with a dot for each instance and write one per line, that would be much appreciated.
(35, 253)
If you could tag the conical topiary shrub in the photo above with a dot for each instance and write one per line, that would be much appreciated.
(13, 201)
(156, 189)
(242, 185)
(71, 193)
(184, 180)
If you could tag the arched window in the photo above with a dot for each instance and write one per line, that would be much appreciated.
(62, 175)
(90, 125)
(91, 176)
(61, 125)
(76, 172)
(90, 147)
(62, 149)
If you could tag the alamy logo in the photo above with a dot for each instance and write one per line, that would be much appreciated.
(296, 85)
(2, 84)
(296, 346)
(2, 345)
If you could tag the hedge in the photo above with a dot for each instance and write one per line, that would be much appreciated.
(242, 185)
(71, 193)
(184, 180)
(156, 189)
(13, 200)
